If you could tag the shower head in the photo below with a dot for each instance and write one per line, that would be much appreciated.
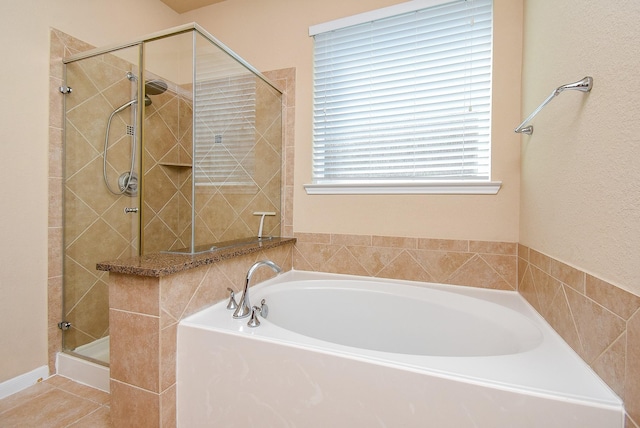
(151, 87)
(155, 87)
(124, 106)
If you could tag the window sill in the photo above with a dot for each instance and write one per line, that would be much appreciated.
(406, 188)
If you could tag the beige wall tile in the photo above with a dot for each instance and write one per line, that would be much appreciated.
(523, 252)
(373, 259)
(319, 238)
(344, 262)
(558, 314)
(134, 294)
(177, 290)
(134, 349)
(168, 408)
(394, 241)
(443, 244)
(568, 275)
(478, 273)
(133, 407)
(317, 255)
(597, 327)
(617, 300)
(505, 266)
(527, 288)
(441, 265)
(168, 348)
(547, 288)
(212, 288)
(351, 240)
(632, 374)
(610, 365)
(507, 248)
(539, 260)
(405, 267)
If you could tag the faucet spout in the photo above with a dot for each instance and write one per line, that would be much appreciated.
(244, 307)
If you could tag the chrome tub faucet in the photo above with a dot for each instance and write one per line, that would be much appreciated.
(244, 306)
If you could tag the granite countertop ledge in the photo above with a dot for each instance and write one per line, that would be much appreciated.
(163, 264)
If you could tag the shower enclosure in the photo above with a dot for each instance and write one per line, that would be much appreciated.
(172, 143)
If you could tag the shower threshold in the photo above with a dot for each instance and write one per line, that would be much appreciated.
(83, 370)
(96, 350)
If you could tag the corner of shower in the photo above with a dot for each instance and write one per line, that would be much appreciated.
(157, 175)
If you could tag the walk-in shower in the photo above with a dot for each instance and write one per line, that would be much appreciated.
(184, 169)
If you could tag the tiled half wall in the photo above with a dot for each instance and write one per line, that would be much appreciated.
(144, 314)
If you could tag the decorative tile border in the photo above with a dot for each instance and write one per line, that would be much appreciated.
(600, 321)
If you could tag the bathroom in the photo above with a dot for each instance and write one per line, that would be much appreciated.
(569, 195)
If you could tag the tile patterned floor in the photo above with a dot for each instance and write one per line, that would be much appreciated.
(55, 403)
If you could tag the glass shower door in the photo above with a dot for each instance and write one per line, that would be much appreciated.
(101, 197)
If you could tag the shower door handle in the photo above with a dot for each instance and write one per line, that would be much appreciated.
(131, 210)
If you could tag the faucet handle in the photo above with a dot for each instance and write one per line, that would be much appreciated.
(263, 310)
(232, 301)
(254, 321)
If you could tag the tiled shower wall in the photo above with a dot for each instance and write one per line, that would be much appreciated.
(167, 170)
(225, 212)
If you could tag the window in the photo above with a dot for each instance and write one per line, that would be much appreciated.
(403, 99)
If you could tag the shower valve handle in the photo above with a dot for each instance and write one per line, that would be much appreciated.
(131, 210)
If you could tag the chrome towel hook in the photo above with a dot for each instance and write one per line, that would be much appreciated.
(583, 85)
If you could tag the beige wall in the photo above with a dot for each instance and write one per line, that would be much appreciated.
(581, 168)
(24, 119)
(276, 36)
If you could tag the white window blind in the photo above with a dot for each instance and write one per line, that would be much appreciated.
(225, 131)
(406, 97)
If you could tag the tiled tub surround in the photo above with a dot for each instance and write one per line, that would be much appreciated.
(599, 320)
(145, 308)
(472, 263)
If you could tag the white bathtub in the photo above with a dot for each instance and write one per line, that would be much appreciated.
(344, 351)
